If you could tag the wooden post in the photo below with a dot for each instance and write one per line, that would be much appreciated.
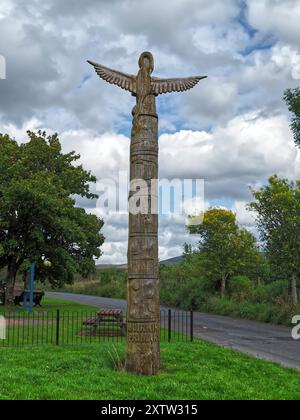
(143, 323)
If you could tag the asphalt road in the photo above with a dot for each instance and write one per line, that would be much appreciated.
(264, 341)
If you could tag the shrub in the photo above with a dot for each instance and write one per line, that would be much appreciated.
(240, 287)
(186, 286)
(270, 293)
(109, 283)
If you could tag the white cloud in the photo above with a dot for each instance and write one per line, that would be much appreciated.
(244, 216)
(105, 155)
(278, 16)
(217, 39)
(214, 101)
(247, 148)
(273, 68)
(46, 46)
(6, 8)
(19, 133)
(234, 126)
(243, 152)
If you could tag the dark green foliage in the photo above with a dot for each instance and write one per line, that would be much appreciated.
(107, 282)
(272, 292)
(189, 288)
(38, 216)
(292, 98)
(280, 313)
(257, 283)
(185, 286)
(277, 210)
(240, 287)
(226, 249)
(113, 283)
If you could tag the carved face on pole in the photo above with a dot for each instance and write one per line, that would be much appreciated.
(146, 62)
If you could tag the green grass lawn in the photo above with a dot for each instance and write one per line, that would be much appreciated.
(196, 370)
(50, 304)
(40, 327)
(84, 370)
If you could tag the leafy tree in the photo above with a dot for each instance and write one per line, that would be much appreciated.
(292, 98)
(240, 287)
(277, 208)
(227, 250)
(184, 285)
(38, 216)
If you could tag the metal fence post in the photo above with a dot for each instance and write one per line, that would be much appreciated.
(192, 325)
(169, 324)
(57, 326)
(51, 328)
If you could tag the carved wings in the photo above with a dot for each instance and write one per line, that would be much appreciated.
(159, 86)
(123, 80)
(174, 85)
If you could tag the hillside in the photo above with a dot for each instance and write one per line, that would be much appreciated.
(170, 261)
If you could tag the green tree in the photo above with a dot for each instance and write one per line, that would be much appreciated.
(38, 216)
(292, 98)
(277, 209)
(227, 250)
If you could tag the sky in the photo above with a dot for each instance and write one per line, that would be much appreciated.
(232, 130)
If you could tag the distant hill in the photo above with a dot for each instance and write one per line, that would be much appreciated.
(170, 261)
(109, 266)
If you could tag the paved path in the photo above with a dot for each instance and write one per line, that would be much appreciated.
(261, 340)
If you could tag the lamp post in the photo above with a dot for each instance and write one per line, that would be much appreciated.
(47, 264)
(31, 287)
(25, 294)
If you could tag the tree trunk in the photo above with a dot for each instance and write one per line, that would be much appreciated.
(294, 290)
(223, 286)
(10, 283)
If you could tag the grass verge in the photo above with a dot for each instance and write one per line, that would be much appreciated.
(50, 304)
(189, 371)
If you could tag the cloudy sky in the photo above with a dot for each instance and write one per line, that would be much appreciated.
(232, 130)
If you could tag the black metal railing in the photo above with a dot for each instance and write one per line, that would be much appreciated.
(62, 327)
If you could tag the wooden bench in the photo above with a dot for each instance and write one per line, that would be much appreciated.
(37, 297)
(107, 318)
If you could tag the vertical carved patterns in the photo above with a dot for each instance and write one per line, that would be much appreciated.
(143, 323)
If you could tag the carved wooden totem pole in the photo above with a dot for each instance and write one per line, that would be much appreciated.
(143, 314)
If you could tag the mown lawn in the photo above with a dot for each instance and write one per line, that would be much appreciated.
(50, 304)
(85, 370)
(196, 370)
(40, 328)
